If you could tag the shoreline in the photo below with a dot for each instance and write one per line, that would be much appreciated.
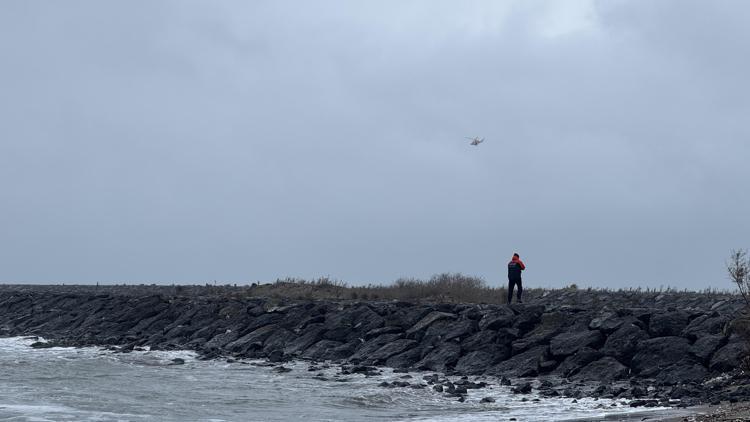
(653, 354)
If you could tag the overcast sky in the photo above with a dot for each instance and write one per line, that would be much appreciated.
(192, 141)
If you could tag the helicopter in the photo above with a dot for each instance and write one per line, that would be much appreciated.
(475, 140)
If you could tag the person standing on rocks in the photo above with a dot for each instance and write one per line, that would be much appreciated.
(515, 266)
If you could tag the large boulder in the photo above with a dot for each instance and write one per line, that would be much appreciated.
(705, 346)
(418, 329)
(251, 340)
(656, 354)
(500, 318)
(368, 348)
(393, 348)
(525, 364)
(570, 342)
(489, 342)
(448, 329)
(323, 350)
(312, 335)
(609, 322)
(475, 363)
(707, 324)
(407, 359)
(622, 344)
(527, 316)
(669, 323)
(220, 340)
(441, 358)
(351, 323)
(682, 373)
(572, 364)
(550, 324)
(731, 355)
(605, 369)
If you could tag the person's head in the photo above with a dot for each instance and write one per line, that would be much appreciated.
(515, 255)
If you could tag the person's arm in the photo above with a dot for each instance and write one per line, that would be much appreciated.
(523, 267)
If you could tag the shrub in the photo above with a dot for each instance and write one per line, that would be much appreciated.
(738, 268)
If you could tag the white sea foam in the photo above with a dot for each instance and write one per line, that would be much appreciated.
(67, 384)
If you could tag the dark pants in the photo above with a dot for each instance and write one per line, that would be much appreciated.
(512, 283)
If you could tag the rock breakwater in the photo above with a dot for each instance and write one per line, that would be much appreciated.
(651, 347)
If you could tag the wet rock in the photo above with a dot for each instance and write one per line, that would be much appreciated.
(705, 325)
(421, 326)
(177, 361)
(524, 388)
(475, 363)
(729, 356)
(604, 369)
(383, 330)
(572, 364)
(406, 359)
(683, 372)
(568, 343)
(452, 329)
(443, 357)
(321, 350)
(623, 343)
(391, 349)
(42, 345)
(704, 347)
(658, 353)
(487, 400)
(525, 364)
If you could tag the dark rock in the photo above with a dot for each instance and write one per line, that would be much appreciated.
(524, 388)
(406, 359)
(443, 357)
(475, 363)
(664, 324)
(421, 326)
(684, 372)
(383, 330)
(312, 335)
(604, 369)
(396, 347)
(501, 318)
(704, 347)
(366, 349)
(282, 369)
(487, 400)
(730, 356)
(453, 330)
(705, 325)
(570, 342)
(525, 364)
(622, 344)
(609, 322)
(572, 364)
(321, 350)
(527, 316)
(254, 339)
(658, 353)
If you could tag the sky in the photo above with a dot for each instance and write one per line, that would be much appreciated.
(192, 141)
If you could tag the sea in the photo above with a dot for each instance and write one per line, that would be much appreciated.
(94, 384)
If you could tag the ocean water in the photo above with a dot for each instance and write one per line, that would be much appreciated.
(91, 384)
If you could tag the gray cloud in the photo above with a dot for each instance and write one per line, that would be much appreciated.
(190, 141)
